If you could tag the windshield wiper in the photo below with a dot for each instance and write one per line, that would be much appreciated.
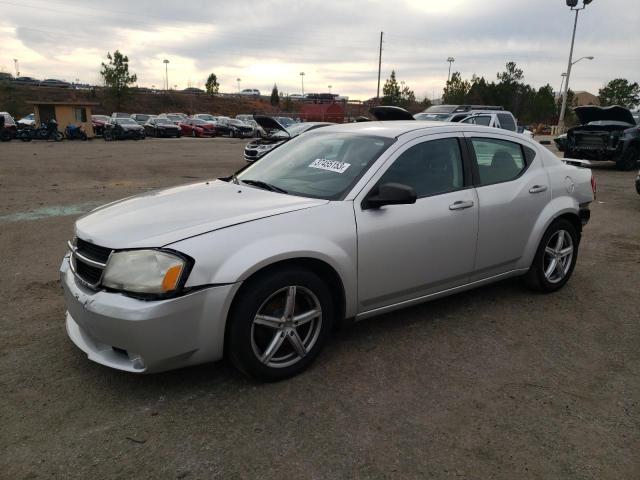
(264, 185)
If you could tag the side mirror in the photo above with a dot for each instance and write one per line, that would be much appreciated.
(390, 194)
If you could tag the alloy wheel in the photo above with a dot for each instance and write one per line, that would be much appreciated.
(286, 326)
(558, 255)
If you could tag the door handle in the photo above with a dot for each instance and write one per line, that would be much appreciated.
(538, 189)
(460, 204)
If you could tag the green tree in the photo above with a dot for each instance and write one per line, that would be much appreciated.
(511, 75)
(212, 86)
(456, 91)
(391, 93)
(275, 98)
(620, 92)
(543, 106)
(116, 77)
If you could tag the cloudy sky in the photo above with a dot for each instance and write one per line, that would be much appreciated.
(333, 42)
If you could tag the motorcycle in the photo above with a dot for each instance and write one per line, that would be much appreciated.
(73, 132)
(47, 131)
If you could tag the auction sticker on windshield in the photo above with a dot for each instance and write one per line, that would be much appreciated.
(330, 165)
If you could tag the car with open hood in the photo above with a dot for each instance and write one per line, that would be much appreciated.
(275, 134)
(604, 133)
(343, 222)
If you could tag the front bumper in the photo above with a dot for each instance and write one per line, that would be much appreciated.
(146, 336)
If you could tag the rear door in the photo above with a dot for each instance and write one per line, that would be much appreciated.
(408, 251)
(513, 189)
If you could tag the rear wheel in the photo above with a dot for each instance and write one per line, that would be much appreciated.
(629, 159)
(555, 258)
(279, 323)
(5, 135)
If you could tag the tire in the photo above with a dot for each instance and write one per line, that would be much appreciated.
(83, 137)
(57, 137)
(248, 343)
(629, 159)
(542, 276)
(5, 135)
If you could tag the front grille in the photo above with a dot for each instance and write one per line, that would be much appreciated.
(89, 261)
(93, 252)
(89, 274)
(251, 153)
(591, 141)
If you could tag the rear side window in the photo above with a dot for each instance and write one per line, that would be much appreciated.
(430, 168)
(498, 160)
(484, 120)
(507, 122)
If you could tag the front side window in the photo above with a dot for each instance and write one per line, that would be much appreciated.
(506, 122)
(498, 160)
(320, 165)
(430, 168)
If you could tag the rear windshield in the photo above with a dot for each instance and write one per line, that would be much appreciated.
(318, 165)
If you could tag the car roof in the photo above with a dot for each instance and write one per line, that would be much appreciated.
(394, 129)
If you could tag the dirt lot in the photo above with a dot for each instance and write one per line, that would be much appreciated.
(493, 383)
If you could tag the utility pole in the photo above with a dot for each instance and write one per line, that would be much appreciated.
(15, 64)
(166, 73)
(379, 66)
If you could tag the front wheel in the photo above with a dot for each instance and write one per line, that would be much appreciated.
(555, 258)
(279, 323)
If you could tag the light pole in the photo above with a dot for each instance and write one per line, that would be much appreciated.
(329, 88)
(238, 80)
(166, 73)
(17, 68)
(573, 5)
(450, 60)
(302, 79)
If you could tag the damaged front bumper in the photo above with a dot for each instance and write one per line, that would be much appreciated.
(144, 336)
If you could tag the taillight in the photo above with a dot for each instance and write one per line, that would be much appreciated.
(593, 185)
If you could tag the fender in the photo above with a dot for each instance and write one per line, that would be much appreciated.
(231, 255)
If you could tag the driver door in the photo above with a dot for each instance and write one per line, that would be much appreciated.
(409, 251)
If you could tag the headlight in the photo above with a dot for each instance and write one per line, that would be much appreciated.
(144, 271)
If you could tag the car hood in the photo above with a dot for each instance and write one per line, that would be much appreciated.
(591, 113)
(269, 123)
(161, 217)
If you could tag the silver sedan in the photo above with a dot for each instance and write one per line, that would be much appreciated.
(347, 221)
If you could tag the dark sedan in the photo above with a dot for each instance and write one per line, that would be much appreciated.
(162, 127)
(123, 129)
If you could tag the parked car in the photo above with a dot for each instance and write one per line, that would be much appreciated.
(120, 115)
(347, 221)
(141, 118)
(454, 113)
(605, 133)
(250, 92)
(53, 82)
(27, 81)
(276, 135)
(98, 122)
(27, 121)
(504, 120)
(193, 90)
(195, 127)
(162, 127)
(8, 129)
(123, 129)
(176, 118)
(233, 128)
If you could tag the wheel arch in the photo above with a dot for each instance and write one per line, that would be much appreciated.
(321, 268)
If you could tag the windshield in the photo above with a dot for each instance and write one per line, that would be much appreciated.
(162, 121)
(322, 165)
(434, 117)
(297, 128)
(174, 117)
(206, 117)
(125, 121)
(101, 118)
(142, 118)
(285, 121)
(236, 122)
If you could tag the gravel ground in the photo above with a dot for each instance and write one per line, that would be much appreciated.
(493, 383)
